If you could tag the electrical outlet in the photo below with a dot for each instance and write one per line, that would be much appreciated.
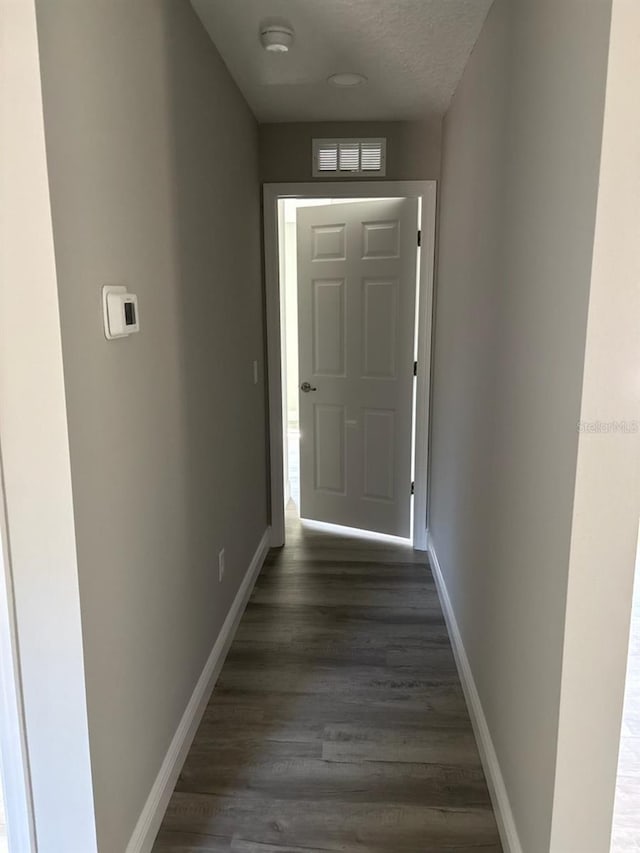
(221, 565)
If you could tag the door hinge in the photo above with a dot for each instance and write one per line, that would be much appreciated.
(415, 368)
(413, 488)
(419, 238)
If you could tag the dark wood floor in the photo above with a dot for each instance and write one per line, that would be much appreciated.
(338, 722)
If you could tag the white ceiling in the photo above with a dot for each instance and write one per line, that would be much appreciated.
(412, 51)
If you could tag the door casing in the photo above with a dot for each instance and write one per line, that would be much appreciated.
(272, 193)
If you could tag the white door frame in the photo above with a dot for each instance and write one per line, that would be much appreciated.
(16, 781)
(272, 193)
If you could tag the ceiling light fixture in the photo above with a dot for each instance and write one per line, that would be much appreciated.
(346, 79)
(276, 38)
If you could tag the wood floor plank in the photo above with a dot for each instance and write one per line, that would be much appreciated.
(190, 842)
(357, 743)
(329, 651)
(338, 723)
(325, 593)
(278, 711)
(306, 779)
(374, 623)
(285, 566)
(370, 554)
(330, 824)
(239, 845)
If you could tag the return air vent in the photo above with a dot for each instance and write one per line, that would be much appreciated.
(346, 158)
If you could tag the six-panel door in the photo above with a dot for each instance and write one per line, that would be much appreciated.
(356, 303)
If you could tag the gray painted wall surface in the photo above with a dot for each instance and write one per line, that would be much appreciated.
(521, 152)
(153, 160)
(413, 148)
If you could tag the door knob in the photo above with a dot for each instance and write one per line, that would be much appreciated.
(306, 387)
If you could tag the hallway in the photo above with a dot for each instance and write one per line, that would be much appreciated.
(338, 722)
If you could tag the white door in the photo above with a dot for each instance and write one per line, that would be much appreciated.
(356, 307)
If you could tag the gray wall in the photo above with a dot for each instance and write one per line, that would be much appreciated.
(153, 158)
(413, 148)
(45, 699)
(521, 148)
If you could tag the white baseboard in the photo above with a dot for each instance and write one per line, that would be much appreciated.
(495, 781)
(150, 819)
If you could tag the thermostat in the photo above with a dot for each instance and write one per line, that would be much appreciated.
(120, 310)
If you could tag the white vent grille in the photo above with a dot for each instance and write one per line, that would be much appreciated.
(344, 158)
(349, 158)
(327, 158)
(370, 157)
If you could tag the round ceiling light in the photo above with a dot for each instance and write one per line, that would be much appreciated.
(346, 79)
(276, 38)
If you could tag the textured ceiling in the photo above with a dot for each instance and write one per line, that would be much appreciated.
(412, 51)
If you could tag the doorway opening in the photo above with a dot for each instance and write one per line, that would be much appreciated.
(349, 271)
